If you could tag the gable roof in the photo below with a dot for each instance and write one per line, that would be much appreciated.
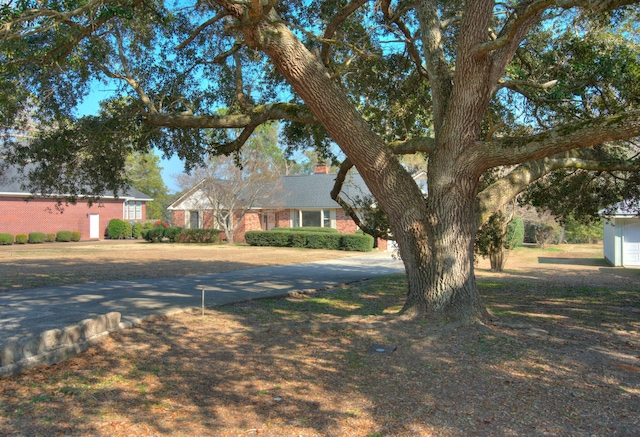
(11, 179)
(297, 192)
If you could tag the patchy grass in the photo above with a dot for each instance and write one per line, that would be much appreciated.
(28, 266)
(560, 359)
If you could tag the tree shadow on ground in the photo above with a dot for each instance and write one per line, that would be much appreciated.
(560, 360)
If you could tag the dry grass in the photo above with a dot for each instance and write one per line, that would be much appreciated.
(561, 359)
(31, 266)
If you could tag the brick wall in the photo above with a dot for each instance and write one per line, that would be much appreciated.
(344, 223)
(42, 215)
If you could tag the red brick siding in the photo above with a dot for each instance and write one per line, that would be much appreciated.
(283, 218)
(344, 223)
(178, 218)
(41, 215)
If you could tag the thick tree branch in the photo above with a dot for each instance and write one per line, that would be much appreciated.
(500, 193)
(348, 209)
(438, 69)
(414, 145)
(273, 111)
(512, 151)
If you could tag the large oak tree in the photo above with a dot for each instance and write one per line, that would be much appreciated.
(532, 87)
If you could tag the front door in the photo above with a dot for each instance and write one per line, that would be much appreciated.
(94, 226)
(631, 244)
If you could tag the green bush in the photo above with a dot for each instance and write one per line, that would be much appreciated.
(22, 239)
(198, 236)
(268, 238)
(155, 235)
(322, 240)
(149, 225)
(6, 239)
(64, 236)
(127, 230)
(172, 233)
(50, 238)
(306, 229)
(314, 240)
(76, 235)
(136, 230)
(37, 237)
(356, 242)
(117, 229)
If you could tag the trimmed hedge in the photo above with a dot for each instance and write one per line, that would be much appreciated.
(22, 238)
(172, 233)
(357, 243)
(198, 236)
(154, 235)
(63, 236)
(75, 236)
(37, 237)
(306, 229)
(312, 240)
(50, 238)
(6, 239)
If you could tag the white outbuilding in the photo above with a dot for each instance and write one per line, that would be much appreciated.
(622, 238)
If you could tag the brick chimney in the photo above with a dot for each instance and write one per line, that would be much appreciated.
(321, 169)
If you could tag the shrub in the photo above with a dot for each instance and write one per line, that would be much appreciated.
(323, 240)
(172, 233)
(268, 238)
(63, 236)
(22, 239)
(155, 235)
(37, 237)
(75, 236)
(50, 238)
(314, 240)
(136, 230)
(6, 239)
(127, 230)
(116, 229)
(148, 225)
(306, 229)
(145, 234)
(198, 236)
(356, 242)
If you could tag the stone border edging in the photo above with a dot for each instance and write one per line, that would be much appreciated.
(55, 345)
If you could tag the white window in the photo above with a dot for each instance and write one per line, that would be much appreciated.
(312, 218)
(132, 210)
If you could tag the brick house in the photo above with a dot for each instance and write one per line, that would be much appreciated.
(302, 200)
(22, 213)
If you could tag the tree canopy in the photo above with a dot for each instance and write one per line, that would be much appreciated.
(499, 97)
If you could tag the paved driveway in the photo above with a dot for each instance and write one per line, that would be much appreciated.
(31, 312)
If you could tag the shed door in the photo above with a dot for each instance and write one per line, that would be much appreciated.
(631, 251)
(94, 226)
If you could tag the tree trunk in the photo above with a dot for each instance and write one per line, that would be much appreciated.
(435, 241)
(497, 261)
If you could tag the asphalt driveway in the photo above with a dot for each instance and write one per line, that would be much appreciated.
(30, 312)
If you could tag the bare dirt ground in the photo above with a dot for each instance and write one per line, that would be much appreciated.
(561, 358)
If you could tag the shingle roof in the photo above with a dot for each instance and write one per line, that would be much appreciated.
(314, 191)
(11, 179)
